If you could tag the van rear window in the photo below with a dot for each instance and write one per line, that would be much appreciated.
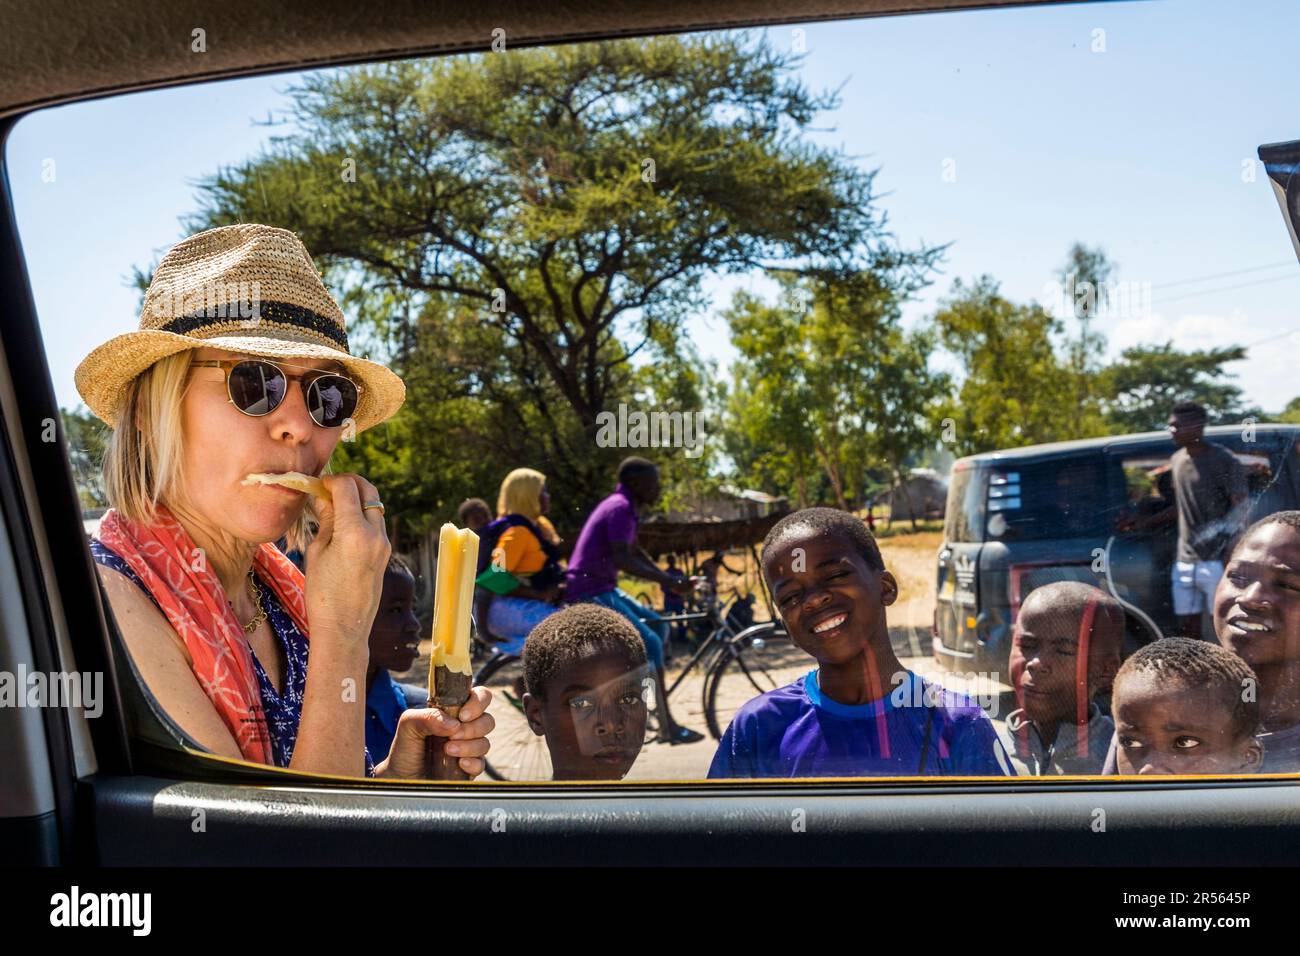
(1064, 498)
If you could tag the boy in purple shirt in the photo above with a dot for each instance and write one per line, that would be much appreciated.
(606, 546)
(859, 712)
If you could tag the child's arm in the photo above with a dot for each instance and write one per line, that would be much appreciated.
(976, 749)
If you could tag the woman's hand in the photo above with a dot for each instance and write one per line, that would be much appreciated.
(466, 737)
(346, 560)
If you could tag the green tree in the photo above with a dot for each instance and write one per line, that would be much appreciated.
(1085, 276)
(1146, 381)
(1290, 414)
(1085, 284)
(828, 380)
(559, 207)
(1015, 388)
(87, 439)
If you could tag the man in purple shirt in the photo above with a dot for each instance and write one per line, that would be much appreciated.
(607, 545)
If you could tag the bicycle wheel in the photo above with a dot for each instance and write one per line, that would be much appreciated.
(755, 661)
(517, 753)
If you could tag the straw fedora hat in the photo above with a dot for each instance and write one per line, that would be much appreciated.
(245, 288)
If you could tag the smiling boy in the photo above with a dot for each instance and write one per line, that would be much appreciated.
(859, 712)
(1257, 617)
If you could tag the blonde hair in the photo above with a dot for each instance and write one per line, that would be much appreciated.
(143, 463)
(521, 493)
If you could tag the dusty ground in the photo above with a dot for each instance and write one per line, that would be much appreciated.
(909, 557)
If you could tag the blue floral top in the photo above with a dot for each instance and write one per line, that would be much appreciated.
(283, 710)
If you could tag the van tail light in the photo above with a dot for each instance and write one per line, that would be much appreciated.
(1015, 588)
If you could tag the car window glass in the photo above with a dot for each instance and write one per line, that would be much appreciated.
(929, 292)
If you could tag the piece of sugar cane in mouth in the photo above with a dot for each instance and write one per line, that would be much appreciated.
(291, 479)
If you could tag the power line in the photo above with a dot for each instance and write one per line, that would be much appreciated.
(1224, 275)
(1226, 288)
(1272, 338)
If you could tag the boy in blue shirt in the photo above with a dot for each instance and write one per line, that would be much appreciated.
(858, 712)
(394, 646)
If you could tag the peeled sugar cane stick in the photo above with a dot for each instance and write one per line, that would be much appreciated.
(450, 674)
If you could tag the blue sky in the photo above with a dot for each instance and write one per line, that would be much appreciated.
(1138, 148)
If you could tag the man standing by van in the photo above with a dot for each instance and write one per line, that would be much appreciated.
(1210, 492)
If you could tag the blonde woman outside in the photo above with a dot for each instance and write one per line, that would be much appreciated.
(519, 561)
(241, 366)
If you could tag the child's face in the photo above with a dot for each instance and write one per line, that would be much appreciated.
(395, 634)
(476, 519)
(1257, 604)
(593, 718)
(833, 603)
(1045, 659)
(1165, 726)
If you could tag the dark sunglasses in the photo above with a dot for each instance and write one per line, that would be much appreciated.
(257, 387)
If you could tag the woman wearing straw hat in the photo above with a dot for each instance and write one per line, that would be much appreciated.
(241, 366)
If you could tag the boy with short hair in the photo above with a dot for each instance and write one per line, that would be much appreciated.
(394, 646)
(1184, 706)
(606, 547)
(586, 673)
(858, 712)
(1257, 617)
(474, 514)
(1065, 650)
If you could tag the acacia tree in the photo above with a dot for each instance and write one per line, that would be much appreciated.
(560, 207)
(1145, 382)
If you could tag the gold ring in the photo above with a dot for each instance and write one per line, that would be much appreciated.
(374, 504)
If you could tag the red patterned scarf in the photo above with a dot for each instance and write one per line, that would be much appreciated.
(176, 573)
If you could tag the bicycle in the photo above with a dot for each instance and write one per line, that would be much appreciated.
(738, 663)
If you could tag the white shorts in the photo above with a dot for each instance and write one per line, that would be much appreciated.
(1193, 585)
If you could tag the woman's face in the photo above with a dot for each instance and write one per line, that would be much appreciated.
(543, 501)
(222, 446)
